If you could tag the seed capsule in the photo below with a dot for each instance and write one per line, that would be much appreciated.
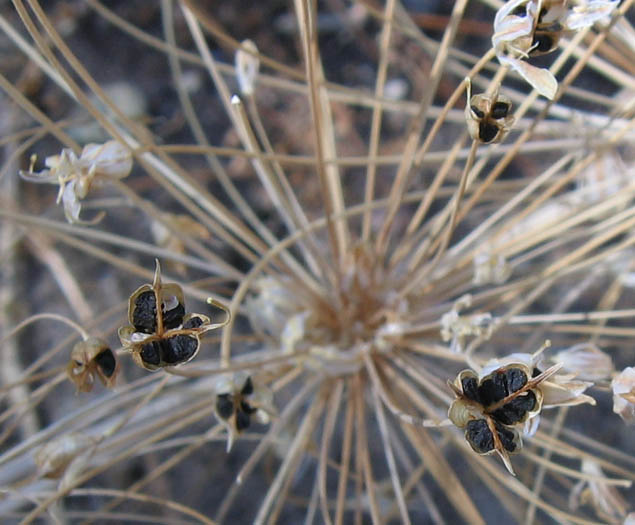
(488, 117)
(89, 358)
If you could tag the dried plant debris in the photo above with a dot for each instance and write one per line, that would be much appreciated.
(238, 399)
(90, 358)
(623, 386)
(166, 335)
(76, 176)
(526, 28)
(489, 117)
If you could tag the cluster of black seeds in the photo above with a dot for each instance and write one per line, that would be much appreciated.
(144, 315)
(491, 393)
(172, 350)
(229, 404)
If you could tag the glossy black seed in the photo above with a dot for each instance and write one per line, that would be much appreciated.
(151, 353)
(470, 388)
(477, 112)
(479, 436)
(144, 316)
(492, 390)
(248, 388)
(106, 362)
(514, 411)
(520, 11)
(516, 379)
(178, 349)
(543, 42)
(506, 437)
(224, 405)
(242, 421)
(193, 322)
(487, 132)
(499, 110)
(247, 408)
(536, 372)
(173, 318)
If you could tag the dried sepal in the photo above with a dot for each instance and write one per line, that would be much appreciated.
(239, 398)
(54, 458)
(488, 117)
(606, 500)
(623, 386)
(586, 361)
(525, 28)
(247, 66)
(76, 175)
(90, 358)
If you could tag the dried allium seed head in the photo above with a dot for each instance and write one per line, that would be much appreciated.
(89, 358)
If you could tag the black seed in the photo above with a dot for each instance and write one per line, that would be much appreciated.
(470, 388)
(77, 363)
(144, 316)
(242, 421)
(492, 390)
(248, 388)
(506, 437)
(193, 322)
(150, 353)
(499, 110)
(514, 411)
(224, 405)
(106, 362)
(516, 379)
(519, 11)
(477, 112)
(173, 318)
(487, 132)
(536, 372)
(178, 349)
(543, 42)
(479, 436)
(247, 408)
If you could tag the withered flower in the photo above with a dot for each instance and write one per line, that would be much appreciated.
(488, 117)
(238, 399)
(492, 408)
(526, 28)
(623, 386)
(76, 175)
(166, 335)
(90, 358)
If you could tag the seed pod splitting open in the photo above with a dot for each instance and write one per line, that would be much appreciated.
(492, 408)
(488, 117)
(160, 336)
(89, 358)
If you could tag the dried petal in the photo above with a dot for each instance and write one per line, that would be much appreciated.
(54, 457)
(586, 361)
(623, 386)
(247, 66)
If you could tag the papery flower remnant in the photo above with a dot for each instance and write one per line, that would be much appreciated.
(76, 175)
(526, 28)
(623, 386)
